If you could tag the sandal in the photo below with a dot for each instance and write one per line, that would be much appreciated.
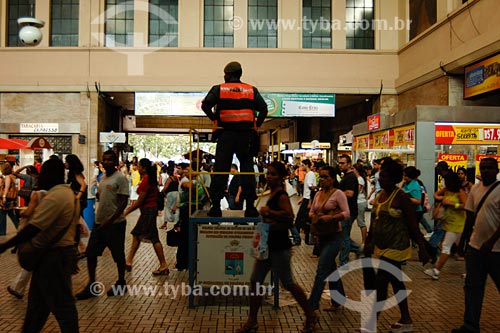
(248, 327)
(401, 328)
(332, 308)
(310, 324)
(159, 271)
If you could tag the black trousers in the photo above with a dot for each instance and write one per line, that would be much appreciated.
(230, 143)
(51, 291)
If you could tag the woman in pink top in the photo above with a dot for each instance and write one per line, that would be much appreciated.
(329, 203)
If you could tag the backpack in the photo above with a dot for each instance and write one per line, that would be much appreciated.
(426, 206)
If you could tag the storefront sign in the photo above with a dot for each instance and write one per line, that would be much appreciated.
(482, 77)
(315, 145)
(362, 142)
(39, 128)
(479, 157)
(373, 122)
(467, 134)
(404, 136)
(169, 104)
(381, 140)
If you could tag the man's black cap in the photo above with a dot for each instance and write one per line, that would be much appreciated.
(232, 67)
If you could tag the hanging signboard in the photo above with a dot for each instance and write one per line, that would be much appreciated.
(482, 77)
(448, 134)
(373, 122)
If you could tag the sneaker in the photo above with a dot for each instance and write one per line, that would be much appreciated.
(433, 273)
(401, 328)
(118, 289)
(86, 293)
(215, 212)
(14, 292)
(251, 212)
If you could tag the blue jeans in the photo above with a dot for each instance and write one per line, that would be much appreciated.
(3, 220)
(348, 245)
(326, 266)
(478, 267)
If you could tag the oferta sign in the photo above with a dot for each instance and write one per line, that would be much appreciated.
(300, 105)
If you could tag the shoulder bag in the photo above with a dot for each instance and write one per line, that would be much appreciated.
(30, 256)
(467, 232)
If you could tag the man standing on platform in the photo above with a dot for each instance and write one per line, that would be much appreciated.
(109, 227)
(234, 106)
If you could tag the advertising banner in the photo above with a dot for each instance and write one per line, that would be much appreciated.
(362, 142)
(299, 105)
(448, 134)
(381, 140)
(404, 136)
(479, 157)
(278, 104)
(482, 77)
(454, 161)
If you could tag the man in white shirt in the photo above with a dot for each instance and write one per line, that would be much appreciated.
(483, 255)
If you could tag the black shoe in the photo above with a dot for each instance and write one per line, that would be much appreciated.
(15, 293)
(251, 212)
(215, 212)
(460, 330)
(86, 293)
(118, 289)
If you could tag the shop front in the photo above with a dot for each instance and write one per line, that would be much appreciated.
(421, 137)
(314, 150)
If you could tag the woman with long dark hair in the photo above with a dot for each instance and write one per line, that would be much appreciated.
(146, 230)
(76, 181)
(278, 213)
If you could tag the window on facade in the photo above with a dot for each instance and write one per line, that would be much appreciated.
(119, 26)
(163, 26)
(17, 9)
(316, 19)
(64, 16)
(262, 23)
(218, 23)
(359, 24)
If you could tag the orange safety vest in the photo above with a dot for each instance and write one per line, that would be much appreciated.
(236, 92)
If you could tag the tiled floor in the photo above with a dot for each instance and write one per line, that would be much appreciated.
(436, 306)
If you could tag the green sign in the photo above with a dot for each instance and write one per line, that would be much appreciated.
(300, 105)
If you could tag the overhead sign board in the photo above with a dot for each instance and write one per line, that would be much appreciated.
(112, 137)
(278, 104)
